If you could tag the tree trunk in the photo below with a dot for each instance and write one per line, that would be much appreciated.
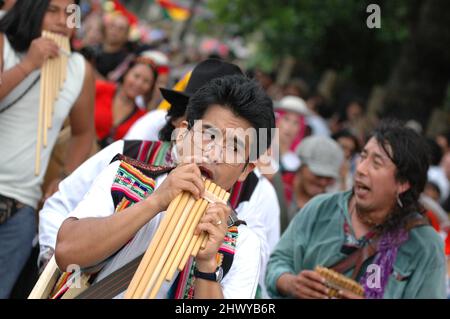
(419, 80)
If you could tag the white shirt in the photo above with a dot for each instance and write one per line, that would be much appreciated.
(318, 125)
(262, 215)
(290, 161)
(148, 126)
(240, 282)
(261, 212)
(437, 175)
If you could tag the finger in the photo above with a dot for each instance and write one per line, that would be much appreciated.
(196, 181)
(309, 293)
(217, 213)
(312, 275)
(189, 187)
(51, 52)
(214, 232)
(222, 209)
(314, 285)
(208, 218)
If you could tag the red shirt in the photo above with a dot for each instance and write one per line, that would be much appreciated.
(104, 97)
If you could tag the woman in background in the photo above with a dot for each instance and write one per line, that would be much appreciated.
(115, 104)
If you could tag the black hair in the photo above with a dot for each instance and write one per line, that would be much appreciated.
(22, 24)
(350, 135)
(174, 113)
(408, 151)
(435, 152)
(244, 97)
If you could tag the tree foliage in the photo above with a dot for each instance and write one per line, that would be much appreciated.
(325, 33)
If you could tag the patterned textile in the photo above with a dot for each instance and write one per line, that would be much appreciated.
(131, 185)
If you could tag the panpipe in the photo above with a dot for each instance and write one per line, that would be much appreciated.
(336, 281)
(54, 284)
(53, 75)
(174, 242)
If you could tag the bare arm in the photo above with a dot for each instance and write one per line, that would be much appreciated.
(82, 124)
(88, 241)
(40, 50)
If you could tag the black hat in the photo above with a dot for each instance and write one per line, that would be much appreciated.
(204, 72)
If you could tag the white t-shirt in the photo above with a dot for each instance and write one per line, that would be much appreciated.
(240, 282)
(148, 126)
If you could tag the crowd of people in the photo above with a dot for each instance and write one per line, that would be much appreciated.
(372, 205)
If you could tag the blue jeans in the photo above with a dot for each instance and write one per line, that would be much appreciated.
(16, 237)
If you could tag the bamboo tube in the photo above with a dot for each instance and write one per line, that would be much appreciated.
(52, 72)
(159, 248)
(130, 293)
(199, 239)
(182, 239)
(173, 233)
(46, 281)
(187, 233)
(196, 215)
(192, 240)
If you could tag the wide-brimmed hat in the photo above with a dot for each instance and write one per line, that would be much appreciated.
(292, 104)
(204, 72)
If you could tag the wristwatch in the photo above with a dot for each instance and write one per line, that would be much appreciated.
(212, 276)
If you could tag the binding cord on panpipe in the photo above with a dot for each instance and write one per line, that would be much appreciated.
(53, 75)
(174, 242)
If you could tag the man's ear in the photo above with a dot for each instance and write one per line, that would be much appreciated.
(248, 169)
(403, 187)
(182, 130)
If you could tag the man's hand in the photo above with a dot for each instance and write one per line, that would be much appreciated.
(214, 222)
(306, 285)
(185, 177)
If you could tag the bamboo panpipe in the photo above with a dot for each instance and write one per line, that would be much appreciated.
(336, 281)
(53, 75)
(46, 281)
(172, 241)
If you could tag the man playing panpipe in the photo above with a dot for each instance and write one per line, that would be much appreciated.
(254, 200)
(24, 52)
(374, 234)
(94, 233)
